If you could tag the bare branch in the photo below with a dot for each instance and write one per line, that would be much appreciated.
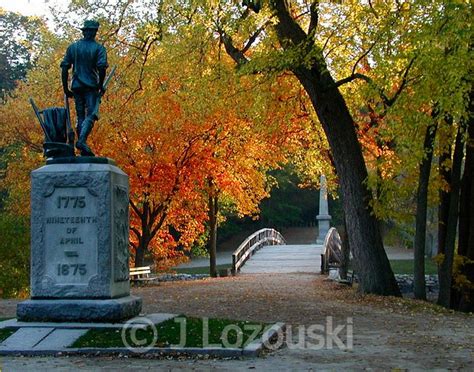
(157, 210)
(364, 55)
(373, 10)
(136, 232)
(135, 208)
(366, 78)
(388, 102)
(120, 21)
(158, 225)
(403, 84)
(236, 54)
(352, 77)
(254, 37)
(146, 48)
(333, 32)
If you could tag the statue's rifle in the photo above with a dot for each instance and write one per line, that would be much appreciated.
(95, 113)
(70, 131)
(40, 119)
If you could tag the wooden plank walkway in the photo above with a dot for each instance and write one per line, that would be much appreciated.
(285, 259)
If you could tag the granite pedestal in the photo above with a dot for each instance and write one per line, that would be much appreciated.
(79, 243)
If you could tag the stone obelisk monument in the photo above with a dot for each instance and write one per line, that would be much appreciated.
(323, 217)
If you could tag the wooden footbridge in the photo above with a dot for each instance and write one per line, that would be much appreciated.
(266, 251)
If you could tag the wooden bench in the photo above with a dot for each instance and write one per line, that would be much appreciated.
(140, 274)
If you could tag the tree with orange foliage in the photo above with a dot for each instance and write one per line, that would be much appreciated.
(244, 153)
(171, 128)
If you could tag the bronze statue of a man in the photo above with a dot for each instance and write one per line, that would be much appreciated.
(89, 64)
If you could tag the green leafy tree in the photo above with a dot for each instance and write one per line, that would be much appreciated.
(293, 44)
(20, 37)
(415, 81)
(14, 256)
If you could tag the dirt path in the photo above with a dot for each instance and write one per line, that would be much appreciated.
(388, 333)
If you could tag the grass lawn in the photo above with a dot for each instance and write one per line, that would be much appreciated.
(406, 267)
(6, 332)
(201, 270)
(168, 334)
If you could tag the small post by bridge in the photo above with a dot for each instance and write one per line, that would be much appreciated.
(323, 217)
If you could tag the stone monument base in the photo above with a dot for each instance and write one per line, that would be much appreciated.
(77, 310)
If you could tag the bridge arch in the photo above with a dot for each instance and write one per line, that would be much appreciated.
(266, 251)
(252, 244)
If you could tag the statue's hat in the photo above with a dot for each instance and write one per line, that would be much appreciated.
(90, 24)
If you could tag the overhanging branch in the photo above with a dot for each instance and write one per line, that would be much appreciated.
(403, 84)
(363, 56)
(254, 37)
(352, 77)
(388, 102)
(236, 54)
(357, 75)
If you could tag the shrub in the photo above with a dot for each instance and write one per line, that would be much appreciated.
(14, 256)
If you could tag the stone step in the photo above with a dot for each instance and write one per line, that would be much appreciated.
(31, 337)
(59, 339)
(136, 322)
(26, 338)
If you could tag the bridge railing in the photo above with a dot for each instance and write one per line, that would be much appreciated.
(332, 251)
(252, 244)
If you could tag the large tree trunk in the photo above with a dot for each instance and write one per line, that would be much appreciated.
(346, 252)
(140, 255)
(466, 216)
(142, 246)
(145, 238)
(445, 270)
(212, 211)
(371, 262)
(421, 213)
(152, 219)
